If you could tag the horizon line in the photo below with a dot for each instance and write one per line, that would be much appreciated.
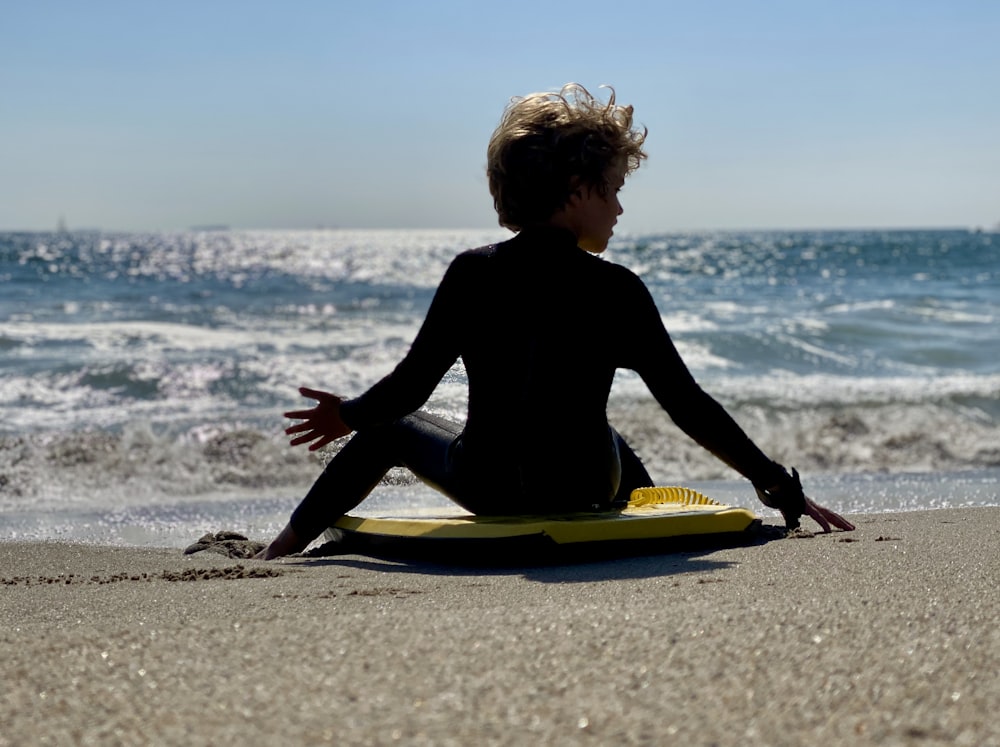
(222, 228)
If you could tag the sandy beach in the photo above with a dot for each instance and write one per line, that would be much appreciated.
(887, 635)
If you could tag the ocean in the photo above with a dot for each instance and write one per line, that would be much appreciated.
(143, 376)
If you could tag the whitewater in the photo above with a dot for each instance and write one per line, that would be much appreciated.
(143, 376)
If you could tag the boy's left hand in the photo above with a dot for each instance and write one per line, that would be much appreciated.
(323, 424)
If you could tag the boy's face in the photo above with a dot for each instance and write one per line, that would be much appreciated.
(595, 215)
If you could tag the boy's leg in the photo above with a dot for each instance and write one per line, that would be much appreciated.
(423, 443)
(634, 474)
(419, 442)
(347, 480)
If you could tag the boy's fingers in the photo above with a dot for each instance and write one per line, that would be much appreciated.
(825, 517)
(841, 523)
(836, 519)
(821, 520)
(321, 443)
(316, 394)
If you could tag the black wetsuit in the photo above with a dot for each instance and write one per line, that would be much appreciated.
(541, 327)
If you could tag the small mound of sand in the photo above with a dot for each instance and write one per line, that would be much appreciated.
(230, 544)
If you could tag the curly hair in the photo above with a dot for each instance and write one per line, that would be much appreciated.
(548, 145)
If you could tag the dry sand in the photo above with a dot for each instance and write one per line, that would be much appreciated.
(887, 635)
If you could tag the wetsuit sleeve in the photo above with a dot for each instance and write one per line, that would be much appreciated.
(434, 350)
(652, 354)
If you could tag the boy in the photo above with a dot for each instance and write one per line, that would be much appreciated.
(537, 308)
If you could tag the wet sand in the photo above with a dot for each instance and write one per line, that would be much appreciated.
(887, 635)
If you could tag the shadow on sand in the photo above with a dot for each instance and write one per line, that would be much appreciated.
(538, 558)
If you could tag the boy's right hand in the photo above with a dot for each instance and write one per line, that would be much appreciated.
(789, 498)
(825, 517)
(322, 424)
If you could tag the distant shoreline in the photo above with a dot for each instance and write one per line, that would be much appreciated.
(625, 232)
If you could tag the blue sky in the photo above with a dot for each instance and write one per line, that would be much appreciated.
(147, 115)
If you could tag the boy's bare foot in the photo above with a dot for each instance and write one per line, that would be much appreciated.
(286, 543)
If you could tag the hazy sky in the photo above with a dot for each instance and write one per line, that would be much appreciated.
(149, 114)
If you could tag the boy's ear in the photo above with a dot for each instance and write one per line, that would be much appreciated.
(576, 187)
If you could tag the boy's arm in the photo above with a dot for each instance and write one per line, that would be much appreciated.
(434, 350)
(655, 358)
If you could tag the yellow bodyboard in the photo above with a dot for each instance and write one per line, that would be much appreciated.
(652, 513)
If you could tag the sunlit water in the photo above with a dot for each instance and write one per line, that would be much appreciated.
(142, 377)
